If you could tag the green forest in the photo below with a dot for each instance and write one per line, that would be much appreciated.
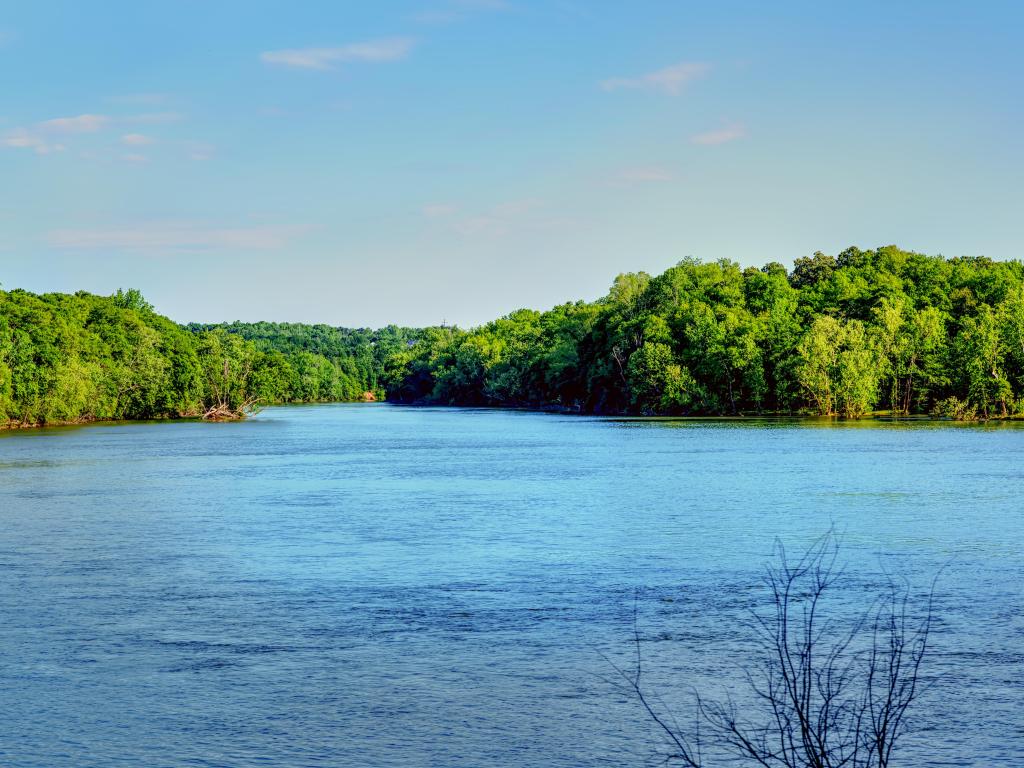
(847, 335)
(74, 358)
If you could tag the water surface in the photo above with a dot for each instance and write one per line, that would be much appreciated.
(368, 585)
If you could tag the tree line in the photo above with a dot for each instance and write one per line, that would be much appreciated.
(73, 358)
(321, 363)
(847, 335)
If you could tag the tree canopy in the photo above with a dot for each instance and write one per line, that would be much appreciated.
(847, 335)
(72, 358)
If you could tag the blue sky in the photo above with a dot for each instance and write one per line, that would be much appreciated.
(364, 163)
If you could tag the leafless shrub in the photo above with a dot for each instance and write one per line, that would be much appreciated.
(824, 694)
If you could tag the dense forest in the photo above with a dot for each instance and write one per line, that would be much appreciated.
(882, 329)
(321, 363)
(72, 358)
(864, 331)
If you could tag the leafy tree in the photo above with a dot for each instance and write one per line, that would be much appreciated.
(844, 335)
(979, 347)
(812, 270)
(857, 384)
(131, 299)
(657, 382)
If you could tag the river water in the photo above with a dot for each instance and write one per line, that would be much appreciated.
(370, 585)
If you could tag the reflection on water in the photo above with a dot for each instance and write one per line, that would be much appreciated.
(370, 585)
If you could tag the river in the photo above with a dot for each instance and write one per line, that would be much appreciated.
(372, 585)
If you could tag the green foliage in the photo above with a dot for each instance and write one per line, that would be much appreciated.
(845, 335)
(955, 408)
(657, 383)
(980, 350)
(66, 359)
(320, 363)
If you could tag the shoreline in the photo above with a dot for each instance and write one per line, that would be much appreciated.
(877, 417)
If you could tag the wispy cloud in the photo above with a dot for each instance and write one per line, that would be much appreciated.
(22, 139)
(199, 151)
(174, 237)
(669, 80)
(387, 49)
(39, 138)
(135, 158)
(728, 132)
(42, 137)
(77, 124)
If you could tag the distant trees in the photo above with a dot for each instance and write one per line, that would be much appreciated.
(839, 336)
(131, 299)
(980, 350)
(236, 376)
(70, 358)
(866, 330)
(838, 367)
(908, 341)
(320, 363)
(657, 382)
(825, 690)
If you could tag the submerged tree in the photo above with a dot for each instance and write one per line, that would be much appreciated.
(237, 376)
(824, 694)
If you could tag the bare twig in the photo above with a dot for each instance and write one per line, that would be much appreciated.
(824, 696)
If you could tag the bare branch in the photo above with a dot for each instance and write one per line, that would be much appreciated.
(829, 693)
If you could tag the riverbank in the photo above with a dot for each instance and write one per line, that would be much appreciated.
(576, 411)
(877, 417)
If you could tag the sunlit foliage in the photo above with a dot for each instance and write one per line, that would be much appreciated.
(847, 335)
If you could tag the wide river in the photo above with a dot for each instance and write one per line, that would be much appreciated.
(369, 585)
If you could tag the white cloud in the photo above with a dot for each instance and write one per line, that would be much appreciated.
(22, 139)
(199, 151)
(728, 132)
(669, 80)
(388, 49)
(134, 157)
(77, 124)
(174, 237)
(39, 137)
